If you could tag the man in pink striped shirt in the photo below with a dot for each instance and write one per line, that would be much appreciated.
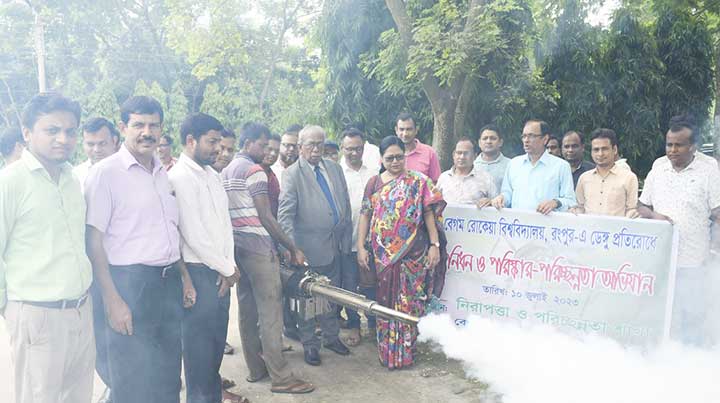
(418, 156)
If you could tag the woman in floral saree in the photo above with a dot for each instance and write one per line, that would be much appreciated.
(399, 222)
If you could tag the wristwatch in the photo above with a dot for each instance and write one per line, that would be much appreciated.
(558, 203)
(435, 244)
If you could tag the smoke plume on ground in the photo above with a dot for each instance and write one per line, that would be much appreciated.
(541, 365)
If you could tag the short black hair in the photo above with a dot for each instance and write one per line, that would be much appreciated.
(571, 132)
(491, 127)
(168, 138)
(544, 127)
(252, 131)
(685, 121)
(225, 132)
(94, 125)
(352, 132)
(45, 103)
(275, 137)
(140, 105)
(604, 134)
(293, 129)
(198, 125)
(331, 144)
(405, 116)
(554, 137)
(470, 140)
(8, 139)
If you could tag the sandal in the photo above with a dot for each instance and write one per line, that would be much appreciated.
(354, 338)
(227, 383)
(229, 397)
(294, 387)
(257, 379)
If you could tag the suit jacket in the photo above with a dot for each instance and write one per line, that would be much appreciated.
(306, 216)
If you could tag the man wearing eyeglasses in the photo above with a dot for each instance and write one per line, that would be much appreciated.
(288, 151)
(537, 180)
(315, 212)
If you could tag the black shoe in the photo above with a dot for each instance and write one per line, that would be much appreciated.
(229, 350)
(338, 347)
(312, 356)
(291, 333)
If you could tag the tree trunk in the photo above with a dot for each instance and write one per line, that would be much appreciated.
(443, 109)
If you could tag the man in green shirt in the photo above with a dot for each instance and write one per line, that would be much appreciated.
(44, 271)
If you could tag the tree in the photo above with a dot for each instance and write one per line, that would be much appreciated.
(176, 111)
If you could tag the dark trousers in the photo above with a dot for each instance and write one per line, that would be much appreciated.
(204, 330)
(99, 323)
(349, 281)
(145, 367)
(328, 321)
(371, 293)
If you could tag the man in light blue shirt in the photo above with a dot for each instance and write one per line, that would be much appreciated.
(537, 180)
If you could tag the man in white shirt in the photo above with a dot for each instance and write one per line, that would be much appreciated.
(100, 140)
(685, 192)
(289, 151)
(207, 249)
(357, 175)
(463, 183)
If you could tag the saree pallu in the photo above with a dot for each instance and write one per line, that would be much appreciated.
(399, 243)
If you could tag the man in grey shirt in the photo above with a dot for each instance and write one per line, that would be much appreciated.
(491, 158)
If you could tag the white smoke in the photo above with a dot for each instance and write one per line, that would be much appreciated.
(541, 365)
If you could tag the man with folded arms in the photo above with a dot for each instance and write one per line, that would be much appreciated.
(44, 272)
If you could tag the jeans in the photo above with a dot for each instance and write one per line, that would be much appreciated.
(349, 281)
(145, 367)
(204, 330)
(102, 367)
(328, 321)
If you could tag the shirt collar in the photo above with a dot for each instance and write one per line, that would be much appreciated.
(451, 172)
(33, 164)
(495, 161)
(543, 158)
(190, 163)
(346, 167)
(418, 144)
(129, 160)
(691, 166)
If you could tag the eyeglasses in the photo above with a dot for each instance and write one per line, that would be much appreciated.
(312, 145)
(289, 146)
(531, 136)
(354, 150)
(396, 157)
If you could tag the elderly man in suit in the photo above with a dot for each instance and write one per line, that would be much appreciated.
(315, 212)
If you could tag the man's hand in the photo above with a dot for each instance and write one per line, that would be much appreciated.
(577, 210)
(498, 202)
(658, 216)
(634, 214)
(484, 202)
(547, 207)
(118, 315)
(363, 259)
(433, 256)
(189, 293)
(225, 283)
(298, 258)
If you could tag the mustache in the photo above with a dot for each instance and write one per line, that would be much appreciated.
(148, 139)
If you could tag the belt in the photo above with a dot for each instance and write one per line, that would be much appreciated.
(62, 304)
(141, 268)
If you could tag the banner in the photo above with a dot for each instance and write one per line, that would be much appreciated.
(583, 274)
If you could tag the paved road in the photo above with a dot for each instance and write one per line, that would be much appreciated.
(356, 378)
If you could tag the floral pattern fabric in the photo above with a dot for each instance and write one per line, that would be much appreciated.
(399, 242)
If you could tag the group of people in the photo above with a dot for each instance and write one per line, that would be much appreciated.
(154, 243)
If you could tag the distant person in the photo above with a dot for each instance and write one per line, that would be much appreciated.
(537, 180)
(272, 152)
(165, 152)
(315, 212)
(288, 151)
(607, 189)
(259, 291)
(44, 271)
(357, 174)
(12, 145)
(573, 150)
(554, 146)
(420, 157)
(100, 140)
(463, 184)
(491, 158)
(686, 193)
(399, 218)
(332, 150)
(228, 148)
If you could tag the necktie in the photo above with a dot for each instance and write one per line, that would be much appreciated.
(326, 190)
